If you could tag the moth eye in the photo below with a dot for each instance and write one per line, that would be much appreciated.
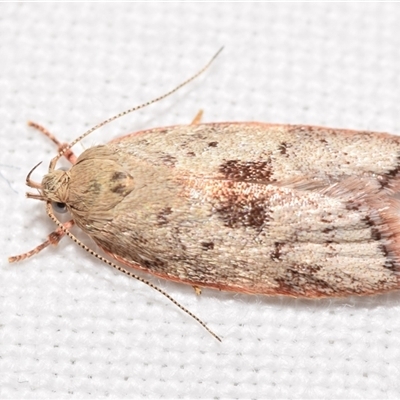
(59, 207)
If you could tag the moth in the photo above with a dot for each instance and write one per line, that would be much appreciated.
(247, 207)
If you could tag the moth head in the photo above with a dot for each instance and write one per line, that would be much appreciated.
(53, 187)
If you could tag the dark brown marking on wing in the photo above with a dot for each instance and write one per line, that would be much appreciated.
(168, 160)
(299, 280)
(207, 245)
(237, 211)
(120, 182)
(276, 253)
(162, 217)
(247, 171)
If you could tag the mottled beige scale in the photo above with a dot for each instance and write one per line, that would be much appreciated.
(287, 151)
(249, 207)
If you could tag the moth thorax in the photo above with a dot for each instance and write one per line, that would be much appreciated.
(55, 186)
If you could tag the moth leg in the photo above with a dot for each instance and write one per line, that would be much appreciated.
(53, 239)
(69, 155)
(197, 290)
(197, 118)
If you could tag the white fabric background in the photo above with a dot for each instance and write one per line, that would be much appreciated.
(72, 327)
